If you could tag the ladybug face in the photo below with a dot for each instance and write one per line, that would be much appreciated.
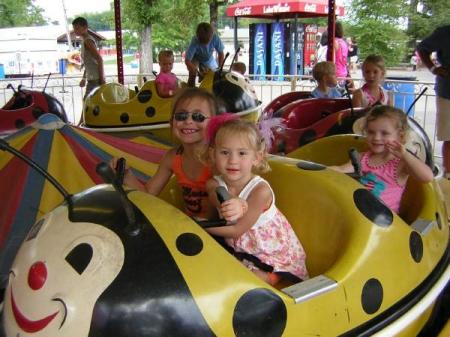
(234, 91)
(58, 275)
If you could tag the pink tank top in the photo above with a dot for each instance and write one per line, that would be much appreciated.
(341, 58)
(167, 80)
(382, 181)
(368, 100)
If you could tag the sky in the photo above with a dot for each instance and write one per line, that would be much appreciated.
(53, 9)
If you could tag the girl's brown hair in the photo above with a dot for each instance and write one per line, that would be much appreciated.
(248, 130)
(396, 115)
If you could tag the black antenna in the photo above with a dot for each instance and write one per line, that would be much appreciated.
(108, 176)
(10, 86)
(347, 94)
(8, 148)
(46, 82)
(223, 62)
(354, 158)
(417, 98)
(235, 57)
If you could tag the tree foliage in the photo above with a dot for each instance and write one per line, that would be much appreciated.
(175, 29)
(377, 26)
(99, 21)
(426, 16)
(17, 13)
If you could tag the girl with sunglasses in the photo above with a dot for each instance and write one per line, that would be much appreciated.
(191, 112)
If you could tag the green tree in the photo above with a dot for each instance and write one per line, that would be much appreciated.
(426, 16)
(162, 24)
(376, 24)
(176, 28)
(99, 21)
(16, 13)
(139, 16)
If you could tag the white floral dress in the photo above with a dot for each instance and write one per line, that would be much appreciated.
(271, 239)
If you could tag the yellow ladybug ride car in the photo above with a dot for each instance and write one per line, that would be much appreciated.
(113, 108)
(109, 262)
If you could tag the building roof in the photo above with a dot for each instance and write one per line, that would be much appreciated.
(63, 37)
(49, 32)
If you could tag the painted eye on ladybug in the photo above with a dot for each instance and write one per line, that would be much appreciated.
(235, 79)
(34, 231)
(80, 257)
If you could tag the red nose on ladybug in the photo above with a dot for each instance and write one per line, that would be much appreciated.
(37, 275)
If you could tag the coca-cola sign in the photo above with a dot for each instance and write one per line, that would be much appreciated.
(243, 11)
(310, 8)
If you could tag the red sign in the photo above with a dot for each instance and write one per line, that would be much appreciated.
(288, 8)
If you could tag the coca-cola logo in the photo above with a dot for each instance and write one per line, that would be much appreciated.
(242, 11)
(310, 8)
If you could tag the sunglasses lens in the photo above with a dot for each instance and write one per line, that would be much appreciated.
(198, 117)
(180, 116)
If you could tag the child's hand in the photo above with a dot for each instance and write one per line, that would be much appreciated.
(233, 209)
(113, 165)
(396, 148)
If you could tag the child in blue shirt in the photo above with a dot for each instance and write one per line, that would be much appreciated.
(199, 55)
(325, 75)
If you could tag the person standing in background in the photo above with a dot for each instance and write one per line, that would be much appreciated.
(94, 74)
(439, 42)
(353, 53)
(340, 52)
(200, 52)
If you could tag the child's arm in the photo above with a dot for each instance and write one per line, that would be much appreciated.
(413, 165)
(89, 44)
(357, 98)
(259, 200)
(220, 58)
(192, 67)
(345, 168)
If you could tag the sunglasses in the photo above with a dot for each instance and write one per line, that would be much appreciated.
(196, 116)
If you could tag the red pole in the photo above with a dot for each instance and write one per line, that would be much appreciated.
(118, 26)
(331, 29)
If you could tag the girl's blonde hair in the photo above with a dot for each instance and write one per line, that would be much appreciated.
(247, 129)
(385, 111)
(165, 53)
(322, 69)
(376, 60)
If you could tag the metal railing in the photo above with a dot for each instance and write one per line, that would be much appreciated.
(66, 89)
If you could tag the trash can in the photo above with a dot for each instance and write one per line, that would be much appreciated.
(404, 93)
(62, 65)
(2, 71)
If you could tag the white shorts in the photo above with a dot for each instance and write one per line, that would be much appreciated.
(443, 118)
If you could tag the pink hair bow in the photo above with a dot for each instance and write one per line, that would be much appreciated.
(215, 122)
